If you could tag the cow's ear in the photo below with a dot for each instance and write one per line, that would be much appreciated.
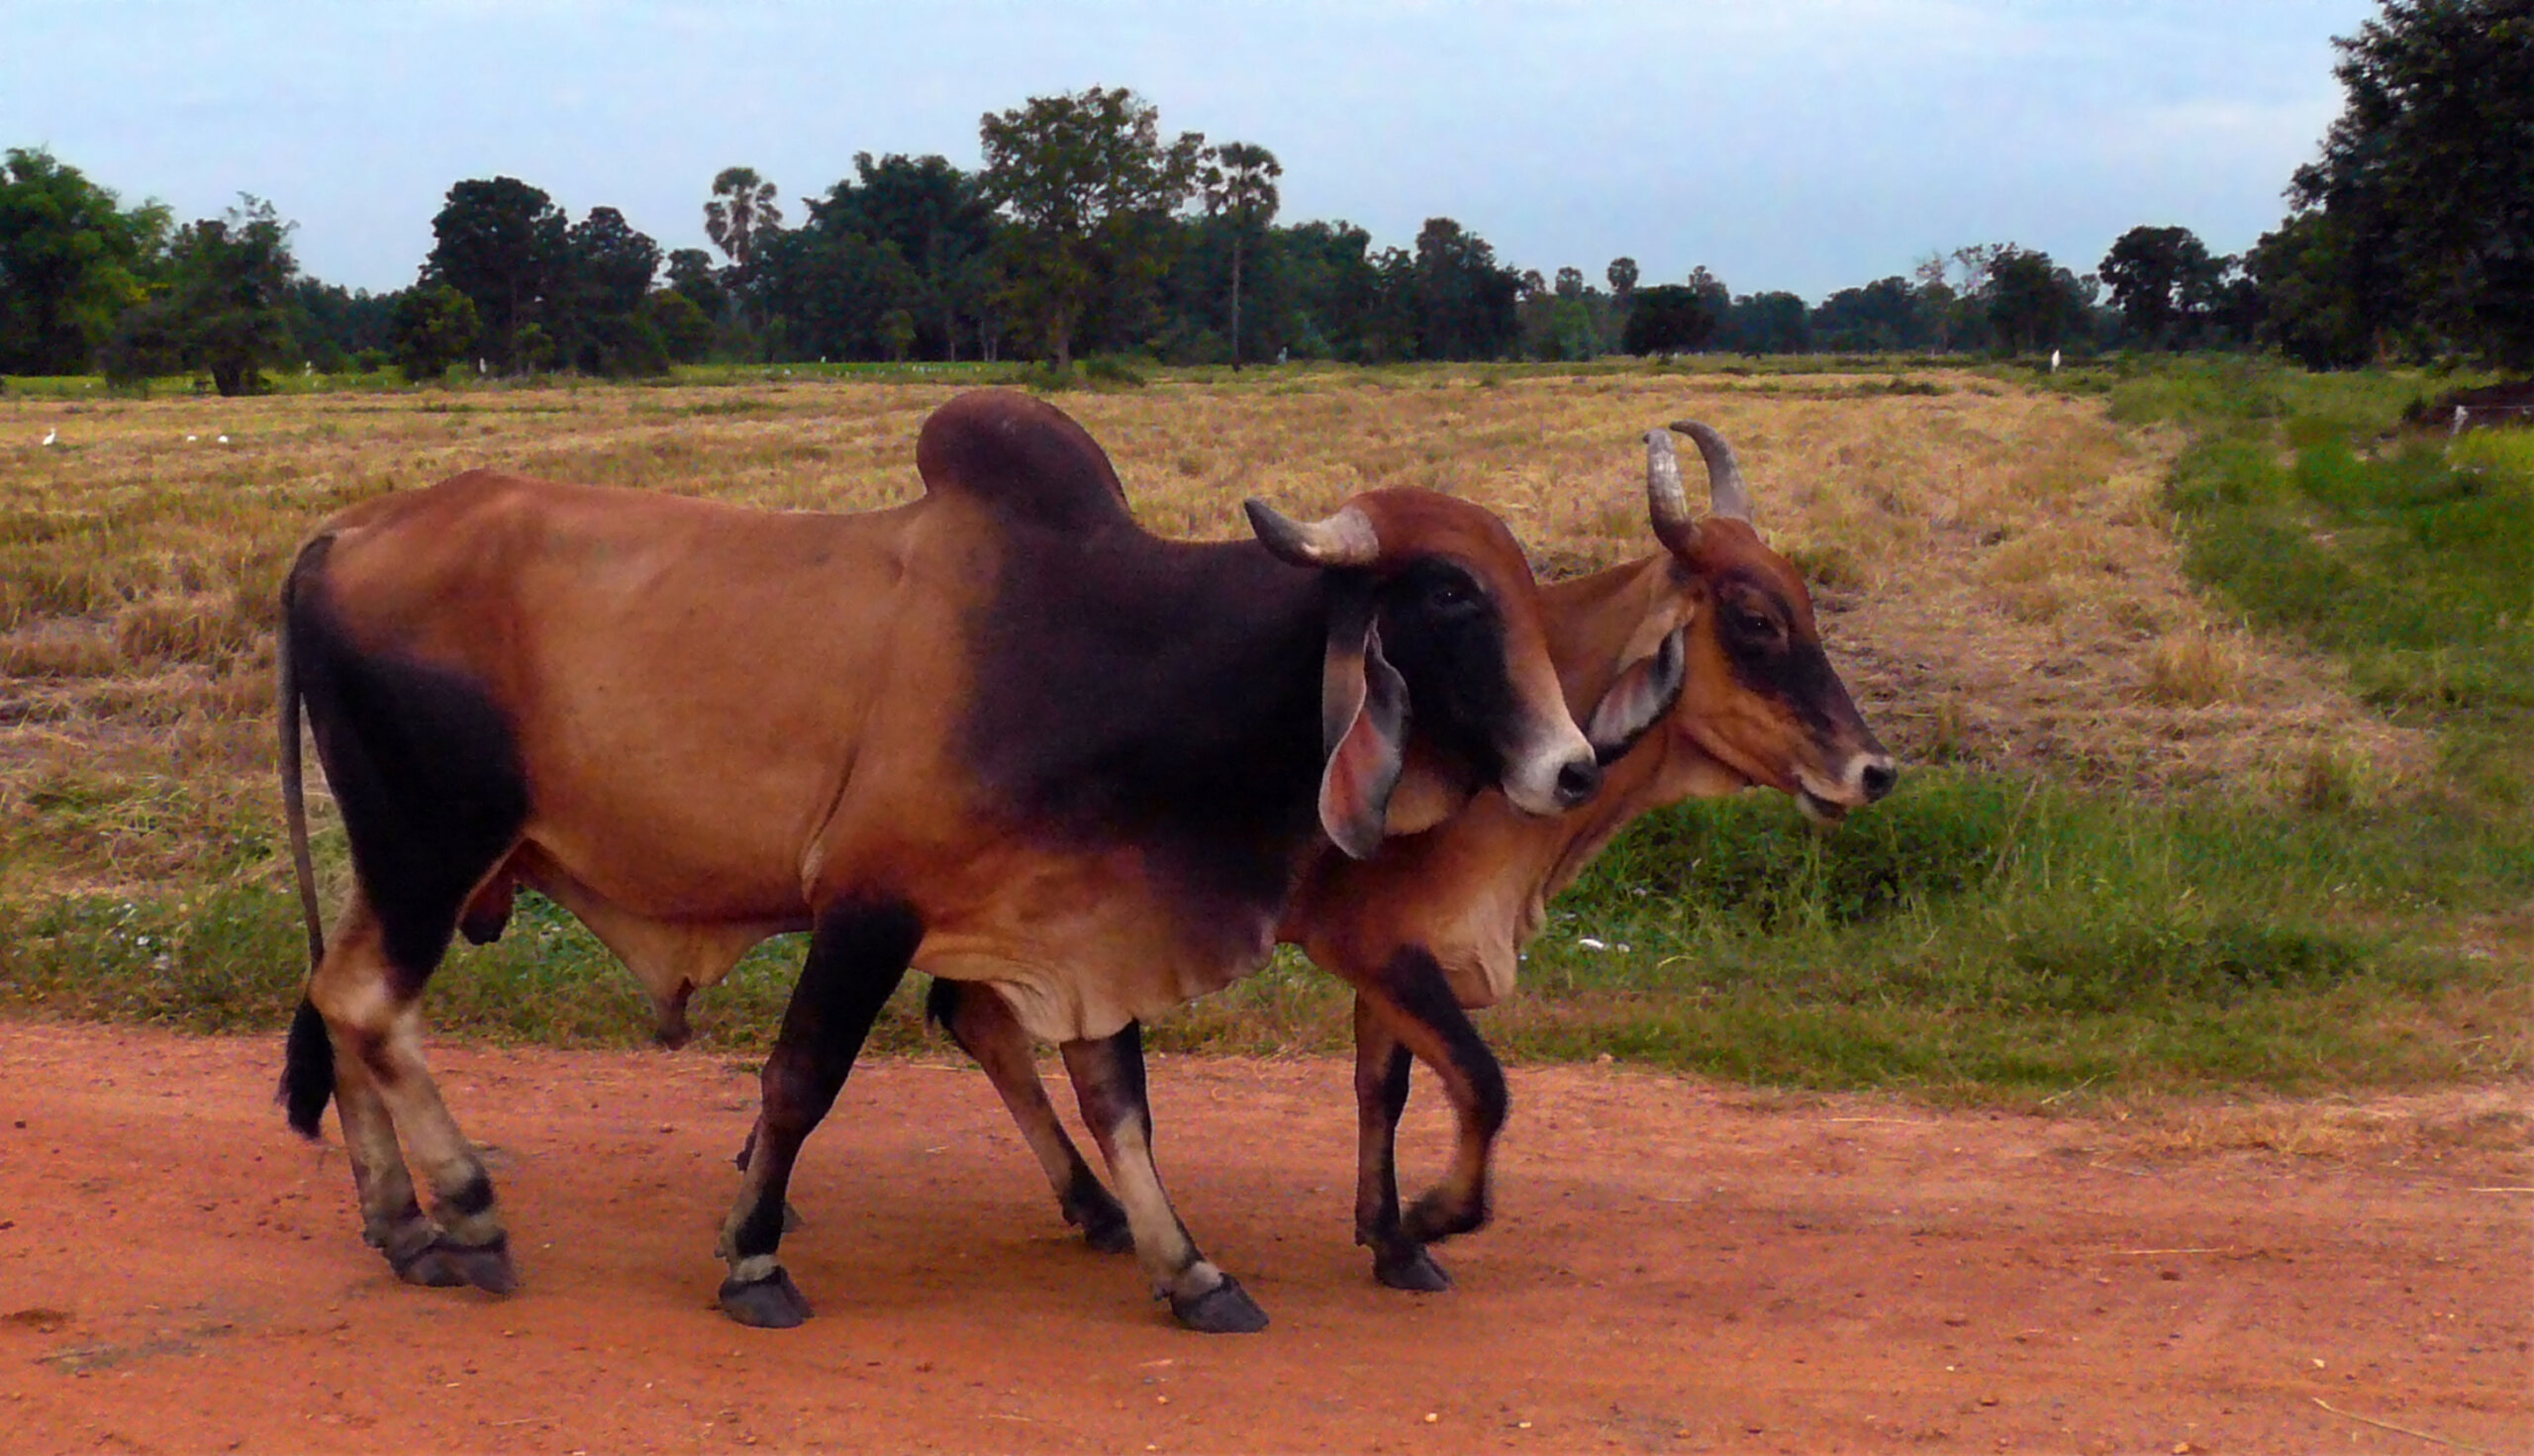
(1363, 714)
(1645, 690)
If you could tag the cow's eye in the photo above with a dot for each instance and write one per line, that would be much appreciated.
(1755, 625)
(1452, 596)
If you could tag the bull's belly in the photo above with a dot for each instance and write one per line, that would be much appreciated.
(1095, 991)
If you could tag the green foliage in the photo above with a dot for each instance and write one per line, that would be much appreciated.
(2161, 281)
(1668, 318)
(503, 243)
(71, 260)
(2032, 302)
(436, 326)
(684, 331)
(1089, 186)
(2414, 231)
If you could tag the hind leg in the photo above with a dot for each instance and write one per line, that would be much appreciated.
(982, 1024)
(384, 1090)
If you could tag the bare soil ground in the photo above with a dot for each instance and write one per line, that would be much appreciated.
(1675, 1266)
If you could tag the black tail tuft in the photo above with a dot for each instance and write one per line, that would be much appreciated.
(307, 1071)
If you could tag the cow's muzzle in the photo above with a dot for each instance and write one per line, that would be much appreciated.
(1554, 778)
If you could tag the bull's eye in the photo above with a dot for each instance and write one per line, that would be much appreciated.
(1452, 596)
(1756, 625)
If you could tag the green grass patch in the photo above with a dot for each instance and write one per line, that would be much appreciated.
(1972, 937)
(2306, 504)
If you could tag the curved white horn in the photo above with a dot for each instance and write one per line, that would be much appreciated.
(1725, 490)
(1675, 524)
(1346, 538)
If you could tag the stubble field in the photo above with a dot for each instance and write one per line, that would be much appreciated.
(2148, 1073)
(2141, 847)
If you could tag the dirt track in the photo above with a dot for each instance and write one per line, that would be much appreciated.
(1674, 1267)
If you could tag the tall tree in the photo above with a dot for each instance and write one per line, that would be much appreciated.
(937, 220)
(2032, 301)
(1882, 316)
(601, 323)
(1466, 300)
(434, 326)
(1084, 178)
(743, 221)
(1668, 318)
(1239, 183)
(505, 245)
(234, 275)
(2424, 187)
(72, 258)
(740, 214)
(2160, 278)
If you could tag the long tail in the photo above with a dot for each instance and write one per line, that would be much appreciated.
(308, 1057)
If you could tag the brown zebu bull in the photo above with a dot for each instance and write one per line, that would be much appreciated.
(1719, 628)
(1002, 730)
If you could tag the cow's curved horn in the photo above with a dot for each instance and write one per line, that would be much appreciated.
(1675, 524)
(1346, 538)
(1725, 490)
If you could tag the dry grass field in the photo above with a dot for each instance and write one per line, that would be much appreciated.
(1997, 578)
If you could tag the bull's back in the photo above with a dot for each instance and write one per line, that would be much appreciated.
(684, 679)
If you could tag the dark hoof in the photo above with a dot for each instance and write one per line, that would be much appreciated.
(792, 1222)
(771, 1303)
(485, 1266)
(1410, 1268)
(1224, 1310)
(428, 1270)
(1435, 1219)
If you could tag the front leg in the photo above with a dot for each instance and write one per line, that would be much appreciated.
(1413, 999)
(858, 952)
(1381, 1095)
(1108, 1077)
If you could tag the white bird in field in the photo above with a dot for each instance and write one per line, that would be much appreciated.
(2054, 361)
(50, 435)
(224, 439)
(190, 439)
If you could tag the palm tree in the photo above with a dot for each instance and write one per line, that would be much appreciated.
(1239, 181)
(740, 214)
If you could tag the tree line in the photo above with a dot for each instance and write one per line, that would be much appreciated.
(1090, 230)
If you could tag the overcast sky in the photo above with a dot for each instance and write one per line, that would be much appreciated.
(1802, 145)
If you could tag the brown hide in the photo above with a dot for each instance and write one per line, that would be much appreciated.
(729, 717)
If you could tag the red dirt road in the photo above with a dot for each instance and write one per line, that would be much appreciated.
(1674, 1267)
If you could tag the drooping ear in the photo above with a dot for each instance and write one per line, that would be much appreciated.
(1645, 690)
(1363, 719)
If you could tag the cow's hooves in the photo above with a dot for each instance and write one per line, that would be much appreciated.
(771, 1303)
(1411, 1269)
(485, 1266)
(1226, 1308)
(792, 1222)
(428, 1270)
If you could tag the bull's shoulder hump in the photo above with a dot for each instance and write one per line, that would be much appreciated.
(1020, 456)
